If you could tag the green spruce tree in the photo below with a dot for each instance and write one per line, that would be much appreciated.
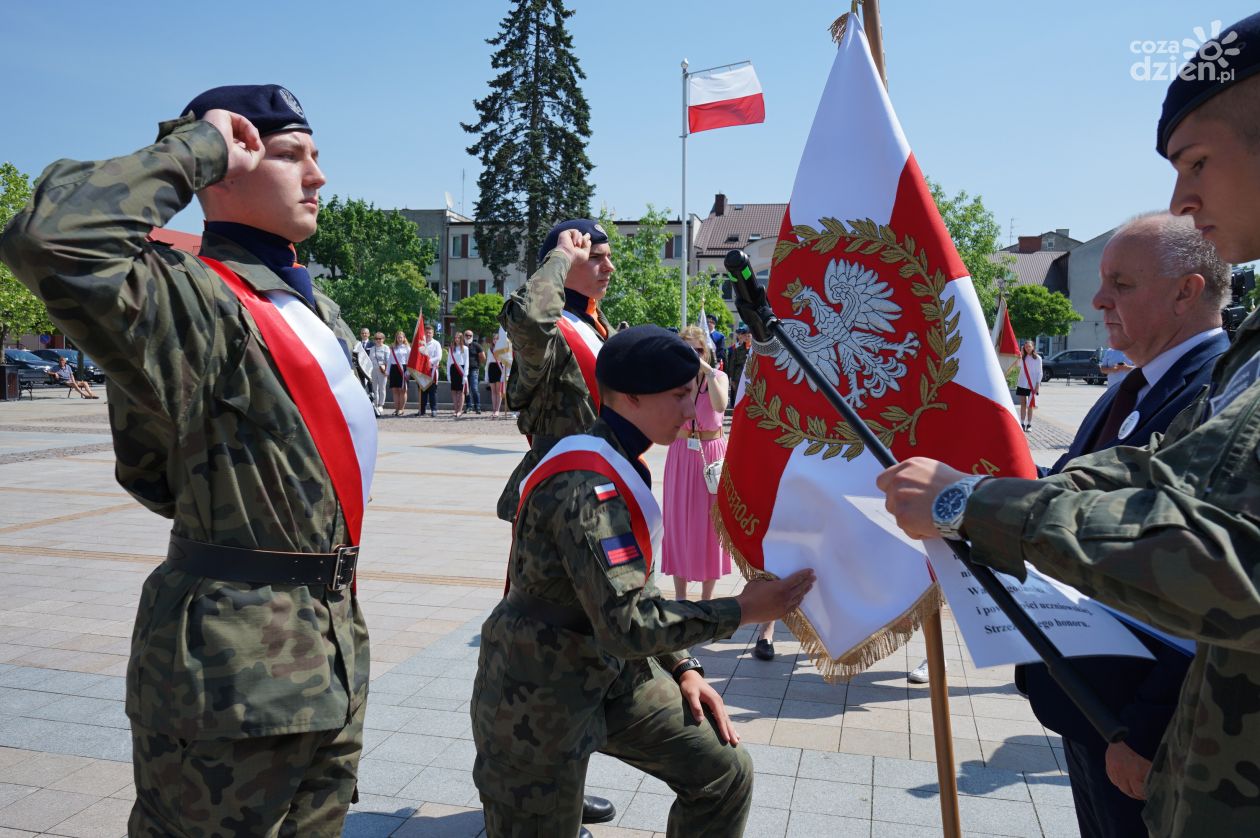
(532, 132)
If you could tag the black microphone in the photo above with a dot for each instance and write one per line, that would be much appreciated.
(750, 296)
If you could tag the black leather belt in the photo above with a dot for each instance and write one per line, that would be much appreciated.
(239, 564)
(559, 616)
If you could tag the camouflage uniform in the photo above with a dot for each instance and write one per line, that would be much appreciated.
(546, 698)
(228, 683)
(546, 387)
(1170, 534)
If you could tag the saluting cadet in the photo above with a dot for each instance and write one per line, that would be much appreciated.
(556, 328)
(1168, 533)
(235, 413)
(583, 654)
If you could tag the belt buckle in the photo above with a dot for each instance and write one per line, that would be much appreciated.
(343, 570)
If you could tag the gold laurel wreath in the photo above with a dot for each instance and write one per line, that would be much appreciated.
(868, 238)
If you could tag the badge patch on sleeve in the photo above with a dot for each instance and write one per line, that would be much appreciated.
(620, 549)
(605, 492)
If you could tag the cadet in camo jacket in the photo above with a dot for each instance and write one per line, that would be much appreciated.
(1169, 533)
(583, 654)
(246, 699)
(546, 387)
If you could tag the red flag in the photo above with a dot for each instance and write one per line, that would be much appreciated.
(724, 97)
(1004, 339)
(418, 361)
(866, 279)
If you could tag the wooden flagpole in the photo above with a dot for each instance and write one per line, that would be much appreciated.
(938, 689)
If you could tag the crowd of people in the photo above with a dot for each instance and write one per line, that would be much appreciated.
(248, 680)
(465, 359)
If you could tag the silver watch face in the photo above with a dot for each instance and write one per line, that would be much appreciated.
(949, 504)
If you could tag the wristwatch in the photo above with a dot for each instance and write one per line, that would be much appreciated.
(686, 666)
(951, 503)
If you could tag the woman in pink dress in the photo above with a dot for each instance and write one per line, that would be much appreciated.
(691, 551)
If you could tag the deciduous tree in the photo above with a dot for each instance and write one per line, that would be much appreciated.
(1036, 310)
(20, 311)
(479, 312)
(387, 300)
(976, 235)
(355, 239)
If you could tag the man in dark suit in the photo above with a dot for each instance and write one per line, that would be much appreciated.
(1161, 294)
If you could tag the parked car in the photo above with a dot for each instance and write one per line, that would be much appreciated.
(30, 366)
(91, 372)
(1074, 363)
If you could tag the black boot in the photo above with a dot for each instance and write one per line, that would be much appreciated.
(597, 810)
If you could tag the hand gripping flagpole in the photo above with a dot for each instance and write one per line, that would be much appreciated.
(762, 322)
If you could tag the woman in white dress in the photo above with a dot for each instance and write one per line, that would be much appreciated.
(1029, 384)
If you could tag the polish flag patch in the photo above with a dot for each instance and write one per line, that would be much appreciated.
(605, 492)
(620, 549)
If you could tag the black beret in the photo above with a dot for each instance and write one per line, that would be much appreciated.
(1219, 64)
(582, 225)
(645, 359)
(270, 107)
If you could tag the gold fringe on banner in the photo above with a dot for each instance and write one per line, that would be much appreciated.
(861, 657)
(837, 26)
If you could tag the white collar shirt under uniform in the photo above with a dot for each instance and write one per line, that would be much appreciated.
(1155, 369)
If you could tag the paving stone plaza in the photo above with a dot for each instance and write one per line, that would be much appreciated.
(844, 760)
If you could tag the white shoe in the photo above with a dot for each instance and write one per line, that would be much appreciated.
(919, 675)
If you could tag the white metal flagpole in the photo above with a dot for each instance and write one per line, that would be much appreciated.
(686, 228)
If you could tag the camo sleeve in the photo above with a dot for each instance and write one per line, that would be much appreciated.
(610, 575)
(80, 246)
(529, 316)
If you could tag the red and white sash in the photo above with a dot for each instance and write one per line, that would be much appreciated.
(1032, 388)
(583, 452)
(312, 364)
(585, 343)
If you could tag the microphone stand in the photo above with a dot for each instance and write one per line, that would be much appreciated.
(764, 324)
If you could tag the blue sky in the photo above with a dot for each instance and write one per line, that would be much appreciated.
(1032, 106)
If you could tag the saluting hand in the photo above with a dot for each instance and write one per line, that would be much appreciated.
(576, 245)
(245, 148)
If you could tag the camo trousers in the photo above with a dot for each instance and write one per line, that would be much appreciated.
(265, 787)
(650, 728)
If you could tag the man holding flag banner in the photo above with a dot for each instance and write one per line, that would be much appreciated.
(419, 364)
(1166, 533)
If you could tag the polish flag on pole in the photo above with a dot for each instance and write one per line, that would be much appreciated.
(866, 278)
(1004, 340)
(724, 97)
(419, 362)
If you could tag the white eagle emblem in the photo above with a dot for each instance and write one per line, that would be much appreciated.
(847, 339)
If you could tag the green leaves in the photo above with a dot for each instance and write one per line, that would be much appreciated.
(646, 290)
(1036, 310)
(357, 239)
(479, 312)
(20, 311)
